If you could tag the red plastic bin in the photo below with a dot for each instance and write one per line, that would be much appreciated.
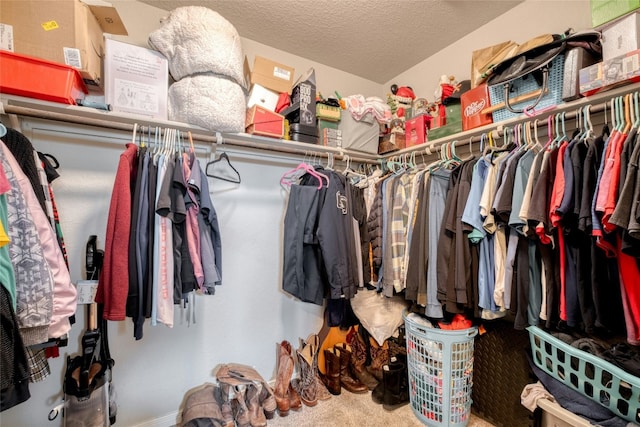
(38, 78)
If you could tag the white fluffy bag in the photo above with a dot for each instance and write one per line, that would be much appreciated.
(196, 39)
(212, 102)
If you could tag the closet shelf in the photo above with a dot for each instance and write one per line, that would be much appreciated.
(28, 107)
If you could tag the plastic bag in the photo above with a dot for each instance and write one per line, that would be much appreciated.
(380, 316)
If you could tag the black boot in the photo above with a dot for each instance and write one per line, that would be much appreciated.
(396, 386)
(394, 365)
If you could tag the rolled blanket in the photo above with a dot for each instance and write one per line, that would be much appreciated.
(196, 39)
(209, 101)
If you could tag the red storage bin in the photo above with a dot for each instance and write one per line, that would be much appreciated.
(415, 129)
(38, 78)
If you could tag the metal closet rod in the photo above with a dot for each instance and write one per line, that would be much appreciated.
(291, 147)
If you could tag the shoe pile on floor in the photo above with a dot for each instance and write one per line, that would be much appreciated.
(243, 398)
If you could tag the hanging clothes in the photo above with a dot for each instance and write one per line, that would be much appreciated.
(161, 205)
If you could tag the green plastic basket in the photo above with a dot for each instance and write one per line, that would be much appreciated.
(440, 368)
(587, 374)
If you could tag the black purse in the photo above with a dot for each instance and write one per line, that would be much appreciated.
(537, 62)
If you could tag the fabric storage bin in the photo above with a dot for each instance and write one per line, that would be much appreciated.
(587, 374)
(528, 87)
(359, 135)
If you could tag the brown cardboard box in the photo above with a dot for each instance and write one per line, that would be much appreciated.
(68, 32)
(260, 121)
(270, 74)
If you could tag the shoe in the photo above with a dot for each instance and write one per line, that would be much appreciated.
(320, 389)
(239, 405)
(295, 403)
(396, 388)
(256, 414)
(331, 378)
(222, 397)
(306, 384)
(359, 359)
(238, 374)
(379, 358)
(267, 401)
(200, 402)
(347, 381)
(283, 378)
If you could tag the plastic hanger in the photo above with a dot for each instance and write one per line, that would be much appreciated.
(224, 160)
(636, 122)
(288, 177)
(627, 114)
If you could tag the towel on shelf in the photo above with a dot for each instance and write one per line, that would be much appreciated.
(208, 101)
(195, 40)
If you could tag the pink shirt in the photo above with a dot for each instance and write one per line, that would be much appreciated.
(193, 230)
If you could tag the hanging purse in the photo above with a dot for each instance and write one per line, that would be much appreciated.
(537, 62)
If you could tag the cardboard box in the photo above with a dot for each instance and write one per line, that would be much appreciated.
(472, 103)
(260, 95)
(621, 37)
(603, 11)
(449, 129)
(261, 121)
(329, 133)
(606, 75)
(622, 69)
(69, 32)
(591, 79)
(136, 79)
(303, 94)
(269, 74)
(391, 142)
(576, 59)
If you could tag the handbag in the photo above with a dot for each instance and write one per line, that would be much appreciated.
(537, 63)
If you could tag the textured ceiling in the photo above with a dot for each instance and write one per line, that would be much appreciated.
(373, 39)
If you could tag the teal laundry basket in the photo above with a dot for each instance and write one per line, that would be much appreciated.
(440, 369)
(589, 375)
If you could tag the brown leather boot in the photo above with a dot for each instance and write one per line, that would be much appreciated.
(347, 381)
(306, 384)
(295, 403)
(267, 401)
(358, 361)
(201, 402)
(379, 358)
(222, 397)
(283, 378)
(331, 378)
(239, 405)
(256, 414)
(313, 341)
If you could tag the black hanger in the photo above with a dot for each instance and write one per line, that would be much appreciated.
(224, 157)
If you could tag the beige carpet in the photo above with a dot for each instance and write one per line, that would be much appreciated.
(357, 410)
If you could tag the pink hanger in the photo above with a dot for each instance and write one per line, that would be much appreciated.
(286, 179)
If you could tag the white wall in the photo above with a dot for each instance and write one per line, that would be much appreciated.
(249, 314)
(328, 79)
(525, 21)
